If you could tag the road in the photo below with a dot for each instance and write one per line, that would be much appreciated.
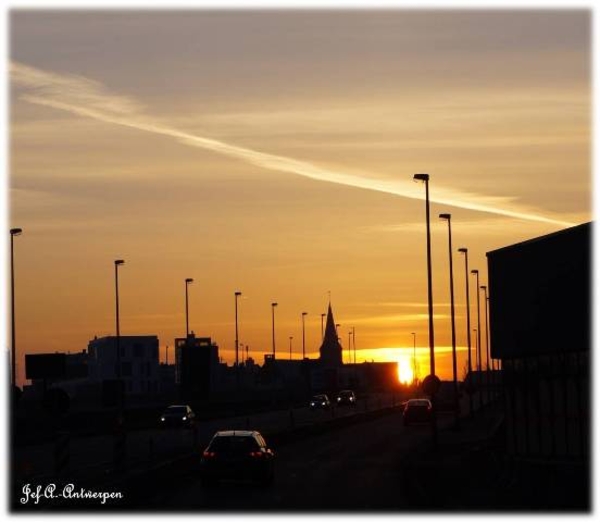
(92, 456)
(350, 469)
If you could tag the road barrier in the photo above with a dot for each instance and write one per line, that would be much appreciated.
(151, 449)
(119, 449)
(61, 452)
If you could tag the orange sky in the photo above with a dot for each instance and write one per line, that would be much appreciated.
(272, 152)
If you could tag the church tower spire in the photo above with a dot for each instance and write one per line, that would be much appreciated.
(331, 350)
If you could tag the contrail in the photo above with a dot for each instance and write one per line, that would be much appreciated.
(84, 97)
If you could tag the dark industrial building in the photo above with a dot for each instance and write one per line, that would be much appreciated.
(540, 327)
(196, 362)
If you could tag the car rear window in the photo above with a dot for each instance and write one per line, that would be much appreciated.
(177, 409)
(234, 444)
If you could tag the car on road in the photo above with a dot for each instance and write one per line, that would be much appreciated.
(178, 415)
(416, 410)
(237, 455)
(346, 398)
(319, 402)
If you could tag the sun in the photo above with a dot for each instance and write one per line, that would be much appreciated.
(405, 371)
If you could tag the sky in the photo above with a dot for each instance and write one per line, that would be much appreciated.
(272, 152)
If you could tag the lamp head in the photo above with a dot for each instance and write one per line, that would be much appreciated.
(463, 250)
(15, 231)
(421, 177)
(445, 216)
(475, 271)
(238, 293)
(273, 304)
(304, 313)
(189, 280)
(483, 287)
(119, 262)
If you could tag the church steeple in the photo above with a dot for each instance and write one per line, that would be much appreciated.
(331, 350)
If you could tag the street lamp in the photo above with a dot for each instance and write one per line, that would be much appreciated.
(476, 274)
(187, 323)
(237, 358)
(476, 342)
(118, 263)
(425, 178)
(414, 357)
(487, 343)
(13, 367)
(304, 314)
(448, 218)
(354, 343)
(273, 305)
(350, 347)
(465, 251)
(291, 347)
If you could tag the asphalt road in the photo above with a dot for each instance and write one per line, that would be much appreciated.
(355, 468)
(91, 456)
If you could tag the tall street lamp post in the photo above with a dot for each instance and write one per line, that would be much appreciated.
(487, 343)
(425, 179)
(475, 272)
(13, 362)
(465, 251)
(273, 305)
(118, 263)
(350, 347)
(304, 314)
(291, 347)
(448, 218)
(237, 345)
(187, 321)
(476, 343)
(414, 357)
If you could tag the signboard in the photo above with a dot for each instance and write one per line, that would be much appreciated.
(45, 366)
(431, 384)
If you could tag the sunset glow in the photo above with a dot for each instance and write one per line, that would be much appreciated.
(273, 153)
(405, 370)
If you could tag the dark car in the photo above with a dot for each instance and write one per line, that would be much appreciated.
(346, 398)
(320, 402)
(237, 455)
(416, 410)
(178, 415)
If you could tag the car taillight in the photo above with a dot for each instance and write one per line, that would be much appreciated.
(256, 454)
(209, 454)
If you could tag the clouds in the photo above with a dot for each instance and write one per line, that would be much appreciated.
(90, 99)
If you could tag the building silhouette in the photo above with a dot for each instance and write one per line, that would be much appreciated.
(196, 366)
(139, 362)
(540, 324)
(330, 352)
